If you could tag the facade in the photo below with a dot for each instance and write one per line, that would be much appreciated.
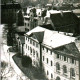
(30, 19)
(56, 53)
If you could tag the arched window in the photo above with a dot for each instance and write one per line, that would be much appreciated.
(57, 66)
(64, 69)
(72, 72)
(58, 78)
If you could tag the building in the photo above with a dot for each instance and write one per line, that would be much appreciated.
(8, 12)
(55, 53)
(30, 19)
(65, 21)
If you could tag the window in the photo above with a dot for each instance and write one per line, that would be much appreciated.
(34, 62)
(58, 78)
(26, 38)
(33, 43)
(67, 59)
(64, 58)
(43, 58)
(51, 63)
(64, 69)
(46, 49)
(72, 72)
(33, 52)
(47, 73)
(36, 53)
(51, 75)
(57, 66)
(58, 55)
(25, 24)
(36, 44)
(30, 41)
(30, 50)
(51, 52)
(73, 61)
(43, 47)
(47, 60)
(28, 24)
(26, 46)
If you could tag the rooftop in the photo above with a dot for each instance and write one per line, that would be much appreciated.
(51, 38)
(65, 19)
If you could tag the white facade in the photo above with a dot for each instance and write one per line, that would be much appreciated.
(32, 50)
(57, 66)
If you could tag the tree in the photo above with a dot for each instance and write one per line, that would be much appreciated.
(3, 67)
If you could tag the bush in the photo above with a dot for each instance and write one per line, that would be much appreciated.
(26, 61)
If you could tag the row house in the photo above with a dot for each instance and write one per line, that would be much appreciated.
(55, 53)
